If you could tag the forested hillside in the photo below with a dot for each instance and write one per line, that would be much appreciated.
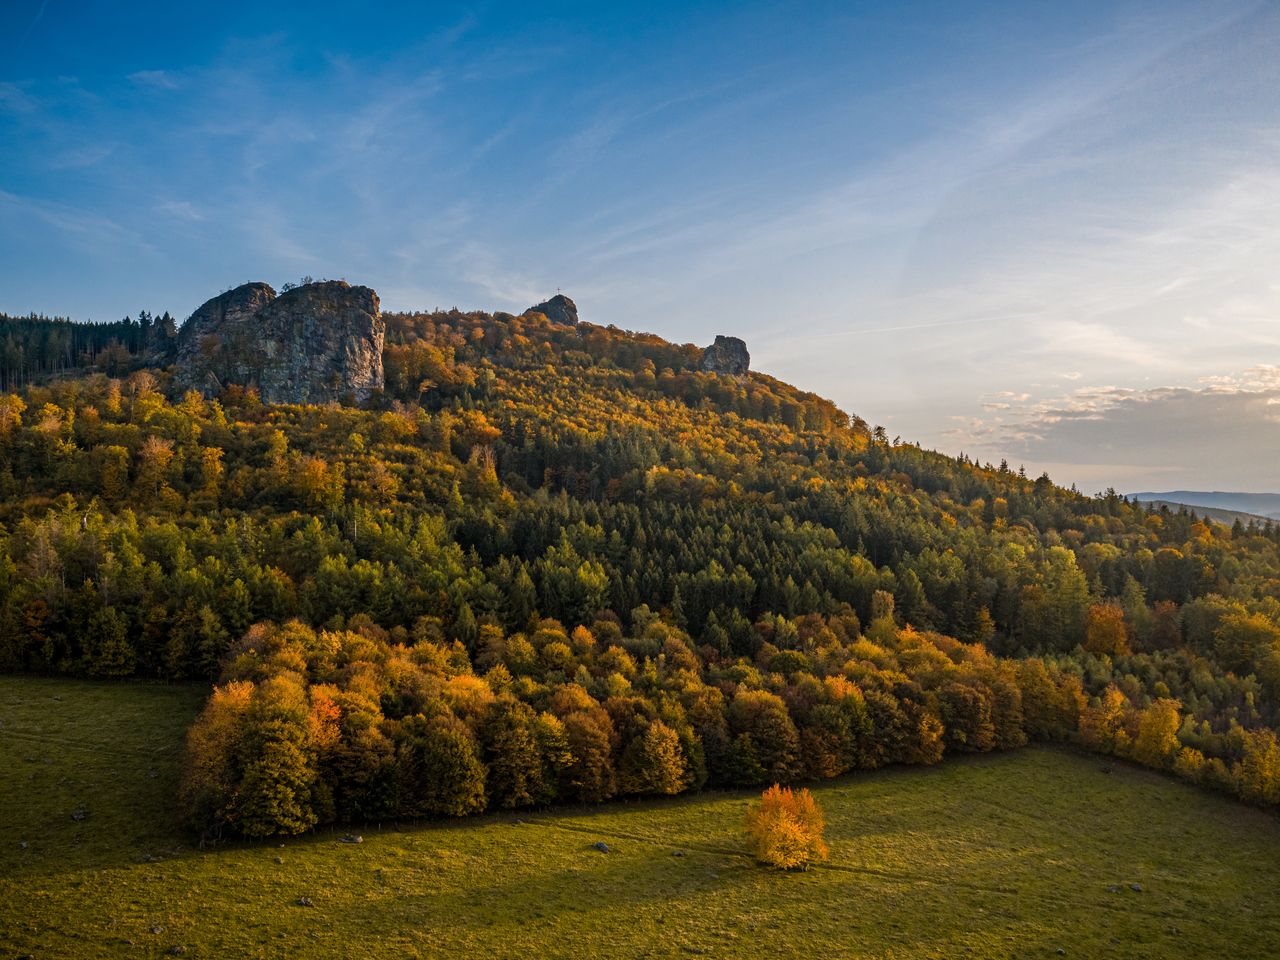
(33, 348)
(557, 561)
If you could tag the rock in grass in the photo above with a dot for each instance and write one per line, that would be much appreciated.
(157, 929)
(176, 949)
(352, 838)
(279, 860)
(80, 814)
(601, 846)
(305, 902)
(1135, 887)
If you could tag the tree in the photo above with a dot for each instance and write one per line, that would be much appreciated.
(1102, 725)
(765, 735)
(652, 762)
(1257, 775)
(275, 793)
(590, 776)
(786, 828)
(210, 775)
(1105, 630)
(1157, 742)
(437, 771)
(1242, 639)
(510, 749)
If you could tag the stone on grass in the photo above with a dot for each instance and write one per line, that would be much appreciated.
(352, 838)
(1135, 887)
(305, 902)
(601, 846)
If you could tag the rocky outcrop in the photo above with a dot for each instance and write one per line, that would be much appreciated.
(316, 343)
(559, 309)
(727, 356)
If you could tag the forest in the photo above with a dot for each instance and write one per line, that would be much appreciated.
(558, 563)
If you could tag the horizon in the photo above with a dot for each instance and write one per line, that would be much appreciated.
(1024, 233)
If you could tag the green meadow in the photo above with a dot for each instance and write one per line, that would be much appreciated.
(1038, 853)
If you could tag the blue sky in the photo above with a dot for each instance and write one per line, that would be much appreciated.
(1042, 231)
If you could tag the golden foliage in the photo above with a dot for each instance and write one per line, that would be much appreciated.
(786, 828)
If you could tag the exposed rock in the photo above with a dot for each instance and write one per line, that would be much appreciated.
(559, 309)
(728, 356)
(352, 838)
(316, 343)
(601, 846)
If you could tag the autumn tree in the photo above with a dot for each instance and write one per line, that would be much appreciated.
(786, 828)
(1157, 741)
(1105, 630)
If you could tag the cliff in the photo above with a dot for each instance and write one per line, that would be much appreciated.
(727, 356)
(317, 343)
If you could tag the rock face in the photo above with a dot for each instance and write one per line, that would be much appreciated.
(559, 309)
(316, 343)
(728, 356)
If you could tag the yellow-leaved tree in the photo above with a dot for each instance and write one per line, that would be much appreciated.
(786, 828)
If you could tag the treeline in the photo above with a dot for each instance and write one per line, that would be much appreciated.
(33, 348)
(315, 727)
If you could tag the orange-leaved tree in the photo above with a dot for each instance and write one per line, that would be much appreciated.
(786, 828)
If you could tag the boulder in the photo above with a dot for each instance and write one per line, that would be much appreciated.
(727, 356)
(559, 309)
(317, 343)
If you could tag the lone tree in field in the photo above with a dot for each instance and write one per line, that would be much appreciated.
(786, 828)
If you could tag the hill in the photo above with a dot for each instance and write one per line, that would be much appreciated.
(1228, 517)
(552, 561)
(1247, 505)
(1017, 854)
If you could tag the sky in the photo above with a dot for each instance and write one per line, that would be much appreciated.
(1036, 231)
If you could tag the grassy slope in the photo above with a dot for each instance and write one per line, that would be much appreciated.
(1006, 855)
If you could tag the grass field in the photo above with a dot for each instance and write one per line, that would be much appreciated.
(1030, 854)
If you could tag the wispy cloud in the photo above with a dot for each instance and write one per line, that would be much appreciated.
(155, 79)
(181, 209)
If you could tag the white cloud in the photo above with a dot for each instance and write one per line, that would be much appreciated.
(1224, 432)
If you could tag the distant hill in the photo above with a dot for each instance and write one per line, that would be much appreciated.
(1227, 517)
(1247, 505)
